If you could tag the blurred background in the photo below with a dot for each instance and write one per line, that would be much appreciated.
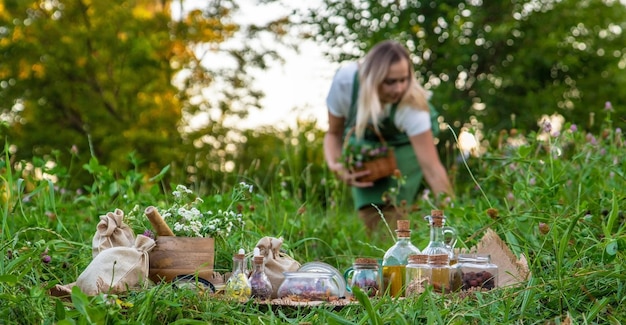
(203, 90)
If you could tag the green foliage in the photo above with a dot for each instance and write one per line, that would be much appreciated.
(556, 201)
(92, 76)
(502, 62)
(107, 79)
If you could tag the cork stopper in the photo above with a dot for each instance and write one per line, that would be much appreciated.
(403, 228)
(365, 260)
(403, 225)
(439, 259)
(258, 259)
(418, 259)
(239, 256)
(436, 218)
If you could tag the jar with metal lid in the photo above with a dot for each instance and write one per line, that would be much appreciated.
(418, 274)
(440, 272)
(477, 272)
(366, 275)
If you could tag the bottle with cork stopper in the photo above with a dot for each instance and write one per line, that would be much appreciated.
(438, 243)
(365, 274)
(238, 285)
(259, 282)
(440, 272)
(396, 259)
(418, 274)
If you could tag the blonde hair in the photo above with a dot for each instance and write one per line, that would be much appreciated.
(372, 72)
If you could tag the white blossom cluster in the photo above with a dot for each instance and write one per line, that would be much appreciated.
(187, 220)
(223, 223)
(243, 186)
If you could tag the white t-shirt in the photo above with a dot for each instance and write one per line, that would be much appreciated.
(412, 121)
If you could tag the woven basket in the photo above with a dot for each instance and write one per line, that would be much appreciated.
(380, 167)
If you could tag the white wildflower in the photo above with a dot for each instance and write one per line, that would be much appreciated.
(187, 218)
(178, 226)
(246, 186)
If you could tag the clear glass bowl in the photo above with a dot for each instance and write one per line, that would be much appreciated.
(308, 286)
(324, 267)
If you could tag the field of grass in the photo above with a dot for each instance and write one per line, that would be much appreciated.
(559, 201)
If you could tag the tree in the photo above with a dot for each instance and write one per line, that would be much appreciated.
(492, 59)
(91, 74)
(120, 76)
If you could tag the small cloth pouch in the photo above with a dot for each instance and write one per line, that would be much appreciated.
(112, 232)
(276, 262)
(117, 269)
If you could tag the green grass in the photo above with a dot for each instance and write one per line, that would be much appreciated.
(572, 184)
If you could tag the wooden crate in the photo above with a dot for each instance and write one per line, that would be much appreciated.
(174, 256)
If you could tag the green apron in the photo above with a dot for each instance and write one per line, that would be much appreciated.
(405, 156)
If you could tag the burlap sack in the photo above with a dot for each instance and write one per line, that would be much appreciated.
(276, 262)
(117, 269)
(511, 270)
(112, 232)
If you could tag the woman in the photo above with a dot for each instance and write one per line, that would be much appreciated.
(382, 92)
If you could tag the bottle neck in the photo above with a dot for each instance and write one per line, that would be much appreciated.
(436, 234)
(259, 267)
(239, 264)
(402, 240)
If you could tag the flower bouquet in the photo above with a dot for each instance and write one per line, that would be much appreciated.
(186, 242)
(376, 157)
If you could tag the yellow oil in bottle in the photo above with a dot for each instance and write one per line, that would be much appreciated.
(440, 268)
(441, 279)
(394, 278)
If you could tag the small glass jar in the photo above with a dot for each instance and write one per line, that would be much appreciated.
(365, 274)
(259, 282)
(418, 274)
(308, 286)
(440, 272)
(238, 285)
(477, 272)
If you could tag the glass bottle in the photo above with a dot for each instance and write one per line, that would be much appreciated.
(396, 259)
(476, 272)
(418, 274)
(365, 274)
(440, 270)
(238, 286)
(438, 233)
(260, 284)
